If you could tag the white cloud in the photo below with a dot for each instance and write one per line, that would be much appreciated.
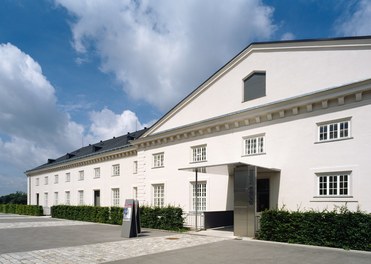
(32, 128)
(288, 36)
(161, 50)
(357, 22)
(106, 124)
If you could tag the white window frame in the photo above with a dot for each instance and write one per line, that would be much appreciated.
(135, 167)
(158, 160)
(68, 177)
(46, 180)
(199, 153)
(37, 183)
(46, 199)
(81, 175)
(334, 130)
(56, 179)
(202, 196)
(56, 198)
(254, 145)
(67, 195)
(335, 184)
(96, 173)
(116, 170)
(158, 195)
(81, 197)
(115, 196)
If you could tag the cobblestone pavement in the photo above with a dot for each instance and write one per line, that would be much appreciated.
(92, 253)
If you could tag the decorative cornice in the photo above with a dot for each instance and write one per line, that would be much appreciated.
(322, 100)
(107, 156)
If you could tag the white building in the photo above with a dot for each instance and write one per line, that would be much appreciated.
(283, 124)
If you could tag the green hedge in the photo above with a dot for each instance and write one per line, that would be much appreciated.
(167, 218)
(344, 229)
(21, 209)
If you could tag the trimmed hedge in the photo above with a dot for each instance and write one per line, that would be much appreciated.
(21, 209)
(344, 229)
(167, 218)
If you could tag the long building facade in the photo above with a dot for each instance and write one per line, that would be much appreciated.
(281, 125)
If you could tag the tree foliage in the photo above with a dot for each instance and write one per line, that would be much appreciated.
(14, 198)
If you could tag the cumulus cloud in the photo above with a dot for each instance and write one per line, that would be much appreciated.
(106, 124)
(288, 36)
(356, 22)
(32, 128)
(161, 50)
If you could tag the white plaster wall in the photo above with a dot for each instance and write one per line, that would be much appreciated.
(291, 146)
(288, 74)
(105, 183)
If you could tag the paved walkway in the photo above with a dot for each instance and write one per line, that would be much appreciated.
(26, 239)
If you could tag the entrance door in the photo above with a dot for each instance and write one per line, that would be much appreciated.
(96, 197)
(37, 199)
(262, 195)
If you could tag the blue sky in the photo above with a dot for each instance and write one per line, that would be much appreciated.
(73, 72)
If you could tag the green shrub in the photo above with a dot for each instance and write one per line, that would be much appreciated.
(167, 218)
(343, 229)
(21, 209)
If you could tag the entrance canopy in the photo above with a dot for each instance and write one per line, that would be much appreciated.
(199, 167)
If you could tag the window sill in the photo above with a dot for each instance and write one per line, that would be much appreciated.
(332, 140)
(257, 154)
(194, 162)
(159, 167)
(332, 199)
(115, 175)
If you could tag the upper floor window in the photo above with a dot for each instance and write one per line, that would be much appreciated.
(158, 160)
(135, 166)
(68, 177)
(116, 170)
(199, 153)
(334, 130)
(46, 180)
(37, 181)
(56, 179)
(81, 175)
(337, 184)
(254, 86)
(96, 172)
(254, 145)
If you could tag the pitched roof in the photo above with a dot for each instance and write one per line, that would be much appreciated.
(94, 149)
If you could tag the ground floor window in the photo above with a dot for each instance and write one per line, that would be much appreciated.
(201, 196)
(334, 184)
(46, 198)
(56, 198)
(116, 197)
(67, 198)
(158, 195)
(81, 197)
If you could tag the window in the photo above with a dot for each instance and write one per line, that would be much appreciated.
(116, 170)
(334, 130)
(37, 181)
(81, 175)
(81, 197)
(199, 153)
(135, 193)
(201, 196)
(333, 185)
(135, 167)
(56, 179)
(158, 160)
(68, 177)
(46, 198)
(116, 197)
(96, 173)
(46, 179)
(56, 198)
(254, 86)
(67, 198)
(158, 195)
(254, 145)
